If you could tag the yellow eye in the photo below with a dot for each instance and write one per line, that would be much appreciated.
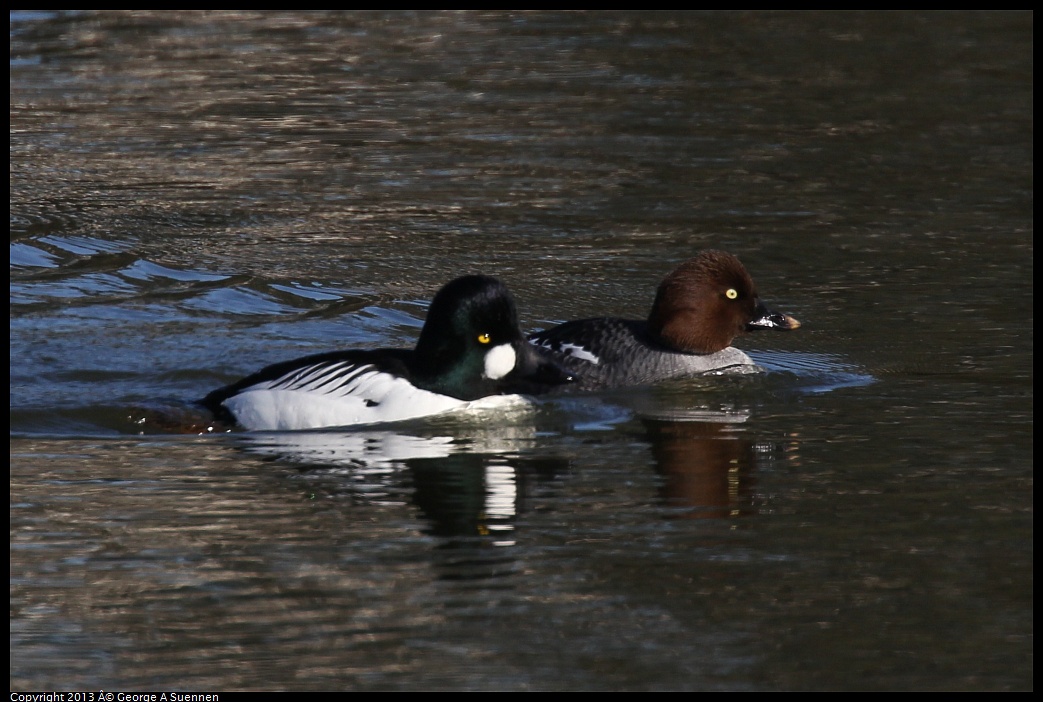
(484, 338)
(731, 293)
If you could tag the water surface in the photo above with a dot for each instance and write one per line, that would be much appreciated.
(197, 194)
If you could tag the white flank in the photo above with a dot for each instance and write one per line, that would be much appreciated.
(371, 397)
(499, 361)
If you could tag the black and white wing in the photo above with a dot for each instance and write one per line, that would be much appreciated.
(328, 390)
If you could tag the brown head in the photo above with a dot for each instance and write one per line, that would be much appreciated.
(706, 302)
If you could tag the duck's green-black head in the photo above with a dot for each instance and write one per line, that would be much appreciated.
(471, 345)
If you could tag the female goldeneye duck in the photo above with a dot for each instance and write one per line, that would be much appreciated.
(698, 311)
(470, 347)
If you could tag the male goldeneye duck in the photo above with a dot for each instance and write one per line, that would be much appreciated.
(698, 310)
(470, 347)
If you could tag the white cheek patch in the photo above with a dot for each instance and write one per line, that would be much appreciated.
(499, 361)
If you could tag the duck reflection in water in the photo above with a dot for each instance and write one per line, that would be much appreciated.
(708, 467)
(467, 492)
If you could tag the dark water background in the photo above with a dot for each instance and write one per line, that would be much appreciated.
(197, 194)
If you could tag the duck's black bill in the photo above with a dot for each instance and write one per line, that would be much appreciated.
(769, 319)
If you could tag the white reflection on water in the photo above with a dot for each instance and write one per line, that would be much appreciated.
(465, 482)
